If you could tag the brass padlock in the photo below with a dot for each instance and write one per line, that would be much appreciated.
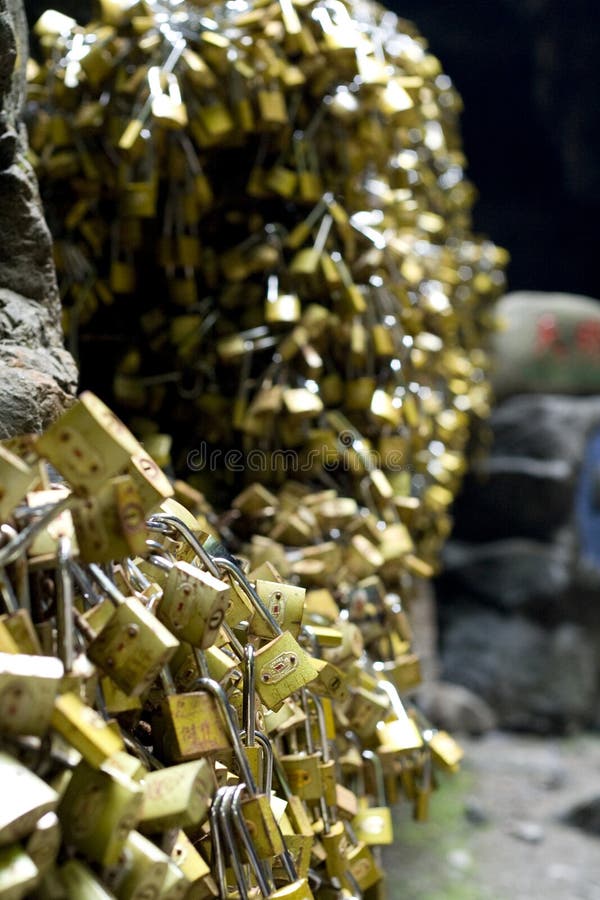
(43, 843)
(133, 646)
(178, 796)
(28, 688)
(190, 725)
(400, 734)
(303, 774)
(335, 842)
(16, 478)
(78, 881)
(97, 812)
(111, 523)
(362, 866)
(193, 603)
(189, 861)
(88, 444)
(282, 667)
(144, 869)
(423, 787)
(446, 752)
(256, 808)
(28, 799)
(18, 872)
(297, 888)
(20, 626)
(373, 824)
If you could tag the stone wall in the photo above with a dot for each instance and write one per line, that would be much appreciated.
(37, 376)
(519, 600)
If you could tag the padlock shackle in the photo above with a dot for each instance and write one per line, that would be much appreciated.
(135, 574)
(107, 584)
(309, 635)
(85, 583)
(21, 570)
(158, 522)
(159, 550)
(395, 700)
(213, 688)
(249, 696)
(318, 705)
(18, 545)
(139, 583)
(375, 761)
(240, 822)
(65, 631)
(160, 562)
(250, 592)
(234, 808)
(218, 856)
(268, 757)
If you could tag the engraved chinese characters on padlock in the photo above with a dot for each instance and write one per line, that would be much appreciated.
(189, 725)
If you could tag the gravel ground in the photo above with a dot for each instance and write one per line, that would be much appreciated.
(497, 830)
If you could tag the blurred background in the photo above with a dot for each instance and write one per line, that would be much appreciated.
(528, 72)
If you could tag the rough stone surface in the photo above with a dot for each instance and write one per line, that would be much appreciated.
(585, 816)
(38, 376)
(455, 708)
(534, 678)
(502, 779)
(519, 610)
(510, 574)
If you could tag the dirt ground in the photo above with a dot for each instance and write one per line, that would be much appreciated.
(497, 829)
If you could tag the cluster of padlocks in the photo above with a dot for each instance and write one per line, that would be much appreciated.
(176, 721)
(262, 231)
(261, 209)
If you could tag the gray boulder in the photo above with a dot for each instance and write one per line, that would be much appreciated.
(534, 678)
(38, 377)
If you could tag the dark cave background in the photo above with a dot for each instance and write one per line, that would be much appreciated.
(529, 73)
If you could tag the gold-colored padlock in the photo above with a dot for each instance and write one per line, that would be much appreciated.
(28, 688)
(133, 646)
(28, 799)
(97, 812)
(178, 796)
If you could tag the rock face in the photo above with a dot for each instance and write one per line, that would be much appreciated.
(519, 598)
(37, 375)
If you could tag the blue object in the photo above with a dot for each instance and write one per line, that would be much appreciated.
(587, 502)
